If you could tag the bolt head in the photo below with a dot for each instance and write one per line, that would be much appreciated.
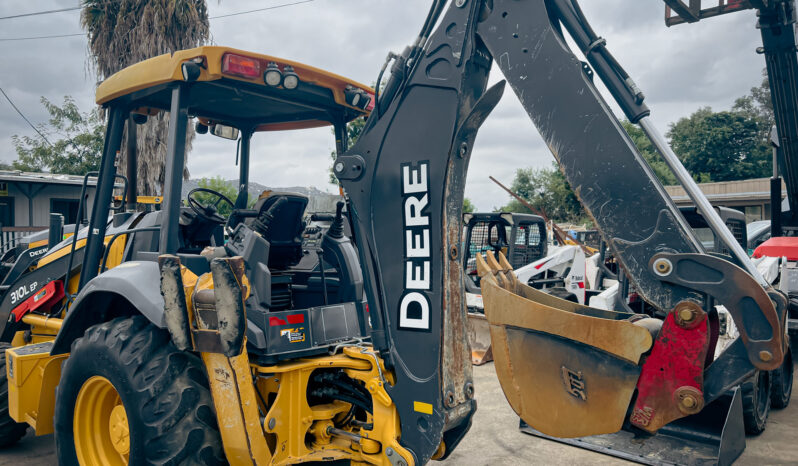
(339, 167)
(765, 356)
(686, 315)
(662, 267)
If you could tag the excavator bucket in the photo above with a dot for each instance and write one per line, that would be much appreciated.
(570, 371)
(559, 362)
(479, 339)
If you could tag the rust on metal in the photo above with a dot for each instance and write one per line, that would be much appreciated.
(583, 374)
(479, 339)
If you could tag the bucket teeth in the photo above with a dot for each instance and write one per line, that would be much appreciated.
(500, 270)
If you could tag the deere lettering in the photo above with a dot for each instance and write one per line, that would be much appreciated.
(414, 307)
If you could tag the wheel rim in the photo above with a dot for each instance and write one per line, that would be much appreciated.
(100, 427)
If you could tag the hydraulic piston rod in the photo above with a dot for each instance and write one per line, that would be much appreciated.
(701, 202)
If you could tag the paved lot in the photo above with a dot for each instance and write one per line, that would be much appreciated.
(494, 439)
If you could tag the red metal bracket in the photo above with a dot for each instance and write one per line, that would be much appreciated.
(44, 298)
(672, 379)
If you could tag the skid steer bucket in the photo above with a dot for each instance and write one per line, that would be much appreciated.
(558, 361)
(715, 436)
(479, 339)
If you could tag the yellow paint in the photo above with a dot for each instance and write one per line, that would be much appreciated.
(100, 430)
(50, 323)
(236, 410)
(422, 407)
(168, 68)
(143, 199)
(55, 254)
(32, 379)
(114, 254)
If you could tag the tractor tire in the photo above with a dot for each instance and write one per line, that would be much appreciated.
(11, 431)
(756, 402)
(127, 395)
(781, 392)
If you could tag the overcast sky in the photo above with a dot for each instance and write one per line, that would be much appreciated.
(680, 69)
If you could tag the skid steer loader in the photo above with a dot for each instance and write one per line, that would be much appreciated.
(521, 237)
(174, 346)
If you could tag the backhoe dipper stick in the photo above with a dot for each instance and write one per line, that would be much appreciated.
(701, 202)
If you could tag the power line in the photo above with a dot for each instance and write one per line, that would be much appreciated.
(259, 9)
(46, 12)
(24, 117)
(60, 10)
(6, 39)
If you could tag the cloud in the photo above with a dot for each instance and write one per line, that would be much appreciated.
(680, 69)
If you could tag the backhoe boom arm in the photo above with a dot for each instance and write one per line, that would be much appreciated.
(405, 179)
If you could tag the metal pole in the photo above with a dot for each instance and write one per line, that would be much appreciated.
(243, 170)
(102, 197)
(175, 161)
(701, 202)
(132, 165)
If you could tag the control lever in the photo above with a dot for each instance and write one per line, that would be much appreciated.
(263, 223)
(336, 230)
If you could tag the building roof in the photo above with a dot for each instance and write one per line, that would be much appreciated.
(756, 189)
(48, 178)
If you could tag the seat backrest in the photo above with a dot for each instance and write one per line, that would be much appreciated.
(146, 241)
(285, 229)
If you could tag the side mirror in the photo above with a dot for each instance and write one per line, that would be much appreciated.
(223, 131)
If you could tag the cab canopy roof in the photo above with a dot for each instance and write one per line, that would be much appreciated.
(240, 89)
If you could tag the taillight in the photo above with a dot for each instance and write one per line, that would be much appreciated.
(238, 65)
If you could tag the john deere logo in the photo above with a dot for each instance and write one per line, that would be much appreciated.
(574, 384)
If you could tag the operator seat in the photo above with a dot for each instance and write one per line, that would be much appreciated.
(283, 228)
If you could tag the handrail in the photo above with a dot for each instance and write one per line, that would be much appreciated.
(113, 238)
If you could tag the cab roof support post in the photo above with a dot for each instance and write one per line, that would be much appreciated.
(103, 196)
(243, 169)
(132, 164)
(175, 162)
(341, 142)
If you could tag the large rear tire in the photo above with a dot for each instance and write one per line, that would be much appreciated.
(127, 395)
(756, 402)
(11, 431)
(781, 392)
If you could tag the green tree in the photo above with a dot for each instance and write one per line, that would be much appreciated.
(73, 144)
(546, 189)
(353, 130)
(649, 153)
(468, 206)
(721, 146)
(219, 184)
(758, 105)
(125, 32)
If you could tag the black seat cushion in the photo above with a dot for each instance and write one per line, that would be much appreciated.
(285, 228)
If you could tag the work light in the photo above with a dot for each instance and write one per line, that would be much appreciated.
(273, 77)
(290, 78)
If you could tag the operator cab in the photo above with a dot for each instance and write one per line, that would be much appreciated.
(305, 285)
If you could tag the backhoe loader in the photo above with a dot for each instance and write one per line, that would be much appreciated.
(175, 346)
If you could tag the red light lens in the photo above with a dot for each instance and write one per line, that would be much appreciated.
(240, 66)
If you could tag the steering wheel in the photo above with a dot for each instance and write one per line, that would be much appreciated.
(210, 211)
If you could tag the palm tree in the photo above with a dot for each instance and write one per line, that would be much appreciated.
(124, 32)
